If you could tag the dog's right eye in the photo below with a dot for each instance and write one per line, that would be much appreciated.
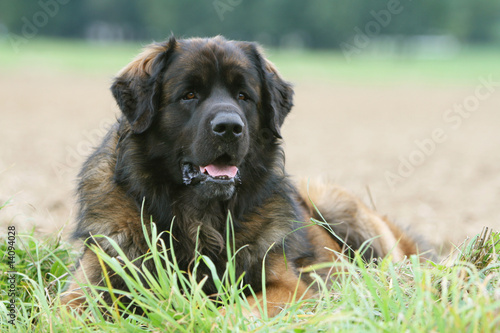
(189, 95)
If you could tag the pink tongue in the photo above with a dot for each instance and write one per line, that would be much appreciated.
(216, 170)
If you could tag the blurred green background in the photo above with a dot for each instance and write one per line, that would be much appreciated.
(282, 23)
(446, 41)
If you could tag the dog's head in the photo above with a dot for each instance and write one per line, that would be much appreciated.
(204, 109)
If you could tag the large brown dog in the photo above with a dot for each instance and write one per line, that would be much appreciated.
(200, 138)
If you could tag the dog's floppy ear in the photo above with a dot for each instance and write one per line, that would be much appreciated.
(137, 87)
(280, 99)
(277, 94)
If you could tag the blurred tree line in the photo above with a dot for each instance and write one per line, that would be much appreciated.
(314, 23)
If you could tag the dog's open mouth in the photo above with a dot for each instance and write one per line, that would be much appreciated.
(193, 174)
(219, 171)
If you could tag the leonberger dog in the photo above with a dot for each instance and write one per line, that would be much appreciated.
(199, 139)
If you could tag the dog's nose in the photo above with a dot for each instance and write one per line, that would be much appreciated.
(227, 125)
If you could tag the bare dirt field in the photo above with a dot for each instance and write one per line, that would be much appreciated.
(428, 165)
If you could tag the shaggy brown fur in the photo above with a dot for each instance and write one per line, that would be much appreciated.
(200, 137)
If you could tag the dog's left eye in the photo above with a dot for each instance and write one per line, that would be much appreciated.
(242, 96)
